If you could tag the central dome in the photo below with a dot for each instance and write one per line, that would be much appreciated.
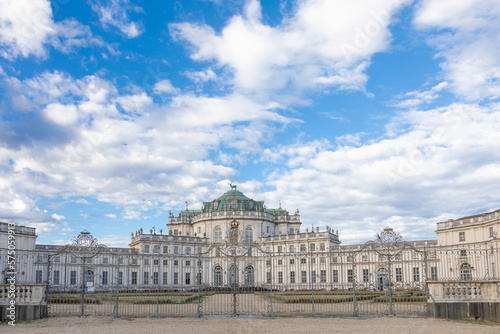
(233, 200)
(233, 193)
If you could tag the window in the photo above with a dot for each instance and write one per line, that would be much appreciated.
(146, 248)
(176, 249)
(321, 247)
(57, 259)
(188, 278)
(463, 253)
(165, 249)
(165, 262)
(280, 262)
(461, 236)
(292, 276)
(280, 277)
(292, 249)
(200, 263)
(165, 275)
(134, 261)
(280, 249)
(322, 276)
(334, 259)
(335, 276)
(313, 276)
(465, 272)
(217, 234)
(104, 260)
(156, 248)
(104, 277)
(146, 262)
(322, 260)
(492, 233)
(250, 276)
(120, 278)
(72, 277)
(268, 277)
(267, 229)
(434, 273)
(56, 277)
(156, 262)
(268, 262)
(292, 261)
(188, 263)
(416, 274)
(188, 250)
(232, 204)
(218, 276)
(303, 261)
(350, 258)
(134, 278)
(399, 274)
(364, 258)
(303, 276)
(176, 262)
(155, 278)
(248, 234)
(312, 247)
(38, 277)
(199, 250)
(313, 260)
(176, 278)
(365, 275)
(120, 260)
(290, 230)
(303, 248)
(146, 277)
(73, 259)
(350, 277)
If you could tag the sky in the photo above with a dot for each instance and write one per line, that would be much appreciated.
(361, 114)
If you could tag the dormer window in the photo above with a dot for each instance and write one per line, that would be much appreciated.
(251, 205)
(232, 204)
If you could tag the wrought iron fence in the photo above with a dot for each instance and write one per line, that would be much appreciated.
(386, 276)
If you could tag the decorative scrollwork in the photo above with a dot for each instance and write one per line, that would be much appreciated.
(85, 245)
(388, 242)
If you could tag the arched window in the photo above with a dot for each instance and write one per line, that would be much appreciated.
(249, 276)
(233, 275)
(249, 234)
(466, 272)
(218, 276)
(217, 234)
(89, 277)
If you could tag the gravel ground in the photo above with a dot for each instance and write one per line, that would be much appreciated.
(219, 325)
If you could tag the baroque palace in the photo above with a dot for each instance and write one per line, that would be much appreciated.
(235, 240)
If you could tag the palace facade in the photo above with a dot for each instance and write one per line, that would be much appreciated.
(236, 240)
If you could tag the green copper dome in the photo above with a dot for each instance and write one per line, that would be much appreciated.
(233, 193)
(233, 200)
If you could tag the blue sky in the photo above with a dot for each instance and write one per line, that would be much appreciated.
(362, 114)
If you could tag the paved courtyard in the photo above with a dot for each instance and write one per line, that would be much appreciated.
(220, 325)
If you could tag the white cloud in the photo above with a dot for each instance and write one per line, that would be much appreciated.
(61, 114)
(27, 26)
(432, 165)
(202, 76)
(466, 36)
(325, 44)
(115, 13)
(166, 87)
(123, 149)
(416, 98)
